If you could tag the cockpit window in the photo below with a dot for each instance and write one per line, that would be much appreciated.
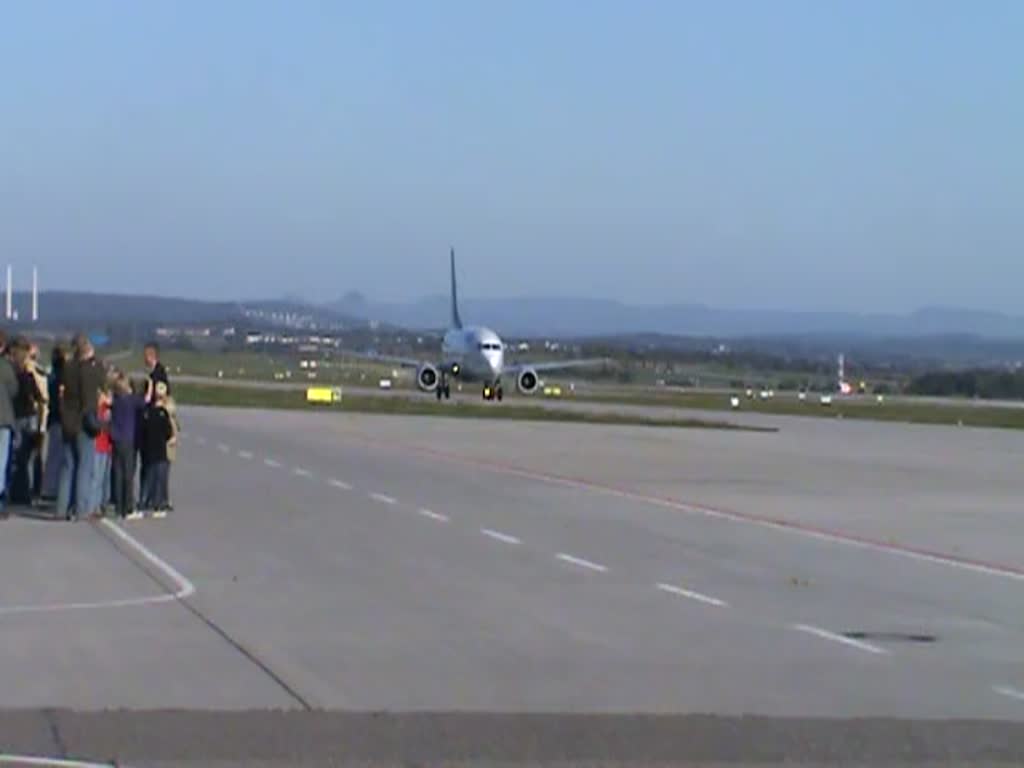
(489, 346)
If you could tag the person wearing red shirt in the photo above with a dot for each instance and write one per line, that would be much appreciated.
(100, 491)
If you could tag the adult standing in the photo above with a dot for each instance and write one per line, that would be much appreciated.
(84, 377)
(43, 416)
(124, 420)
(156, 370)
(27, 406)
(8, 391)
(156, 373)
(54, 440)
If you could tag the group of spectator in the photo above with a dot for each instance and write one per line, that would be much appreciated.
(84, 435)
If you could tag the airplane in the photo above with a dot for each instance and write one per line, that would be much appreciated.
(475, 353)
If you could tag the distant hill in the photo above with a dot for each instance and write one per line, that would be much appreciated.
(71, 309)
(567, 317)
(593, 317)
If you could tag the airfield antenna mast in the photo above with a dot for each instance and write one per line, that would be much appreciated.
(10, 292)
(35, 294)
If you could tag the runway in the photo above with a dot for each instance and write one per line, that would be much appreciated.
(412, 564)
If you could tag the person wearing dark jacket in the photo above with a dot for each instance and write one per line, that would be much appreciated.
(83, 378)
(156, 371)
(124, 419)
(27, 409)
(157, 429)
(54, 442)
(156, 374)
(8, 393)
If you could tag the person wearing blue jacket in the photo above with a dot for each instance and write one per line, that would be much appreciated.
(124, 421)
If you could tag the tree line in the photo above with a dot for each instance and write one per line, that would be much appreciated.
(979, 383)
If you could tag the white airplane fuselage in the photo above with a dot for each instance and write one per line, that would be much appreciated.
(477, 351)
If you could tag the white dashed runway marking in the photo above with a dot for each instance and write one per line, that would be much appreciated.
(433, 515)
(504, 538)
(837, 638)
(1011, 693)
(691, 595)
(581, 562)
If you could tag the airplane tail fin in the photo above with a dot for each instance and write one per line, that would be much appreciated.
(455, 320)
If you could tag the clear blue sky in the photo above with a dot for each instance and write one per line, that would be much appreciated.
(864, 155)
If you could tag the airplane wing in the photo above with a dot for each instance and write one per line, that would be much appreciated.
(428, 376)
(371, 357)
(558, 365)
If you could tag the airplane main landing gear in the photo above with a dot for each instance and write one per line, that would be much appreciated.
(493, 392)
(444, 389)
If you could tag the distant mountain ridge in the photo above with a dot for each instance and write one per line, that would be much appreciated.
(77, 308)
(601, 317)
(564, 317)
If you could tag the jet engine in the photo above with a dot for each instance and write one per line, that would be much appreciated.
(427, 377)
(526, 381)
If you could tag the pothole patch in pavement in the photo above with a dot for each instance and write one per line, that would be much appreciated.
(892, 637)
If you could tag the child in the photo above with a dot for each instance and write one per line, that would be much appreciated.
(100, 491)
(157, 431)
(123, 428)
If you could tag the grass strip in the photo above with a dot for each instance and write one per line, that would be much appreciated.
(246, 397)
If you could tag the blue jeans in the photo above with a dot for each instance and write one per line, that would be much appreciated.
(5, 457)
(83, 477)
(67, 485)
(99, 494)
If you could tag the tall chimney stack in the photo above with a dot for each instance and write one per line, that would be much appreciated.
(35, 294)
(10, 292)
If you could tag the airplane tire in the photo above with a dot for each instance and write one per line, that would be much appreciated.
(498, 393)
(447, 392)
